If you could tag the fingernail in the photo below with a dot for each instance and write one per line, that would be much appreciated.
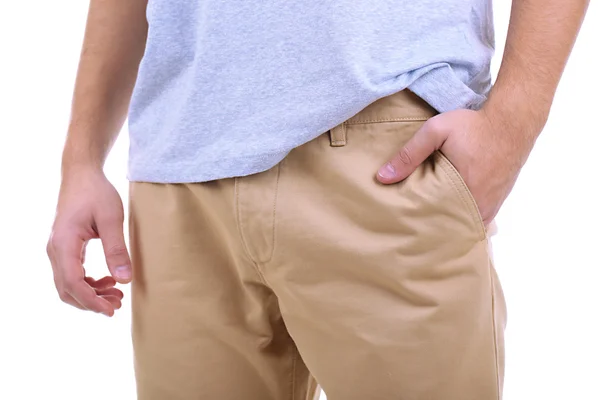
(123, 272)
(387, 171)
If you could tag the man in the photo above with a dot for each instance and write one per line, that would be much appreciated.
(314, 187)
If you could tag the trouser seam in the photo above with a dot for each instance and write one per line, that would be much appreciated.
(494, 325)
(239, 226)
(293, 376)
(465, 197)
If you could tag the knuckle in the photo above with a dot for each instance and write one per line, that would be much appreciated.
(57, 240)
(405, 156)
(434, 125)
(63, 295)
(53, 242)
(116, 250)
(436, 129)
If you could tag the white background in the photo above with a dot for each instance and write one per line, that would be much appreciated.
(546, 249)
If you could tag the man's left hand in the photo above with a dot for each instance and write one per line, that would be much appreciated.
(488, 154)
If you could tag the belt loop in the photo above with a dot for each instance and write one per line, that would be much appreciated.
(337, 135)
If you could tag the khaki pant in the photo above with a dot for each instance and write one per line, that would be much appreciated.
(256, 288)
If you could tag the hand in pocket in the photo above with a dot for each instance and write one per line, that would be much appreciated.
(487, 157)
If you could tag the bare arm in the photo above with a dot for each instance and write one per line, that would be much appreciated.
(89, 207)
(490, 146)
(113, 47)
(540, 38)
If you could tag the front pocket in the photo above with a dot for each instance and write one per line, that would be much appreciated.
(462, 190)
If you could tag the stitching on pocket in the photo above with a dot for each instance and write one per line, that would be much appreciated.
(293, 380)
(493, 283)
(463, 191)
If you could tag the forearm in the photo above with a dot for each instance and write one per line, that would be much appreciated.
(113, 46)
(540, 38)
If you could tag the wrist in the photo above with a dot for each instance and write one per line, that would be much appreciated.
(82, 158)
(74, 167)
(517, 113)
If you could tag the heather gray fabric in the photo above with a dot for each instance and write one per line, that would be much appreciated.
(228, 88)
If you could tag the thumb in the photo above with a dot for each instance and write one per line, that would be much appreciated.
(420, 146)
(115, 250)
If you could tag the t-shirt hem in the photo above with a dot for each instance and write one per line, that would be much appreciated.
(444, 91)
(440, 87)
(208, 170)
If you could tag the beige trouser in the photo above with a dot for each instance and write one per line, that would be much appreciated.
(247, 288)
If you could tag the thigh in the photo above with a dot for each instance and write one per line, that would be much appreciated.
(204, 324)
(388, 291)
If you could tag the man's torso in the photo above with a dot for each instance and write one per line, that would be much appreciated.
(228, 88)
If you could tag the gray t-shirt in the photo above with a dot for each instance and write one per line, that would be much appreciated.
(228, 87)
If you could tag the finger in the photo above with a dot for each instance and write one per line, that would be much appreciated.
(68, 299)
(104, 283)
(110, 230)
(110, 292)
(86, 296)
(420, 146)
(67, 252)
(115, 302)
(113, 299)
(60, 243)
(55, 272)
(83, 252)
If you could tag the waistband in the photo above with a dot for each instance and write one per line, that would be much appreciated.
(398, 107)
